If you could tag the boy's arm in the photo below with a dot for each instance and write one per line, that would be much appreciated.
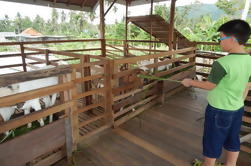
(199, 84)
(215, 76)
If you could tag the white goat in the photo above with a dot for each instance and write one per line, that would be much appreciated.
(142, 65)
(5, 114)
(32, 85)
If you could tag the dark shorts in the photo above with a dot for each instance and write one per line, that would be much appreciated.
(221, 129)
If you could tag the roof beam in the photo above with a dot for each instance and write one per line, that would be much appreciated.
(66, 5)
(114, 1)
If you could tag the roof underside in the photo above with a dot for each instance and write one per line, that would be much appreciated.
(81, 5)
(138, 2)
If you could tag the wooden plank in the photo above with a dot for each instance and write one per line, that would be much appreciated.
(202, 64)
(25, 148)
(247, 109)
(88, 64)
(135, 105)
(93, 119)
(131, 85)
(163, 73)
(17, 122)
(23, 57)
(171, 25)
(245, 149)
(246, 119)
(141, 49)
(89, 78)
(116, 98)
(94, 132)
(7, 55)
(8, 79)
(180, 76)
(89, 93)
(46, 42)
(175, 91)
(151, 148)
(207, 56)
(170, 61)
(202, 74)
(125, 73)
(53, 158)
(89, 107)
(137, 97)
(108, 95)
(21, 97)
(152, 56)
(135, 113)
(248, 98)
(36, 59)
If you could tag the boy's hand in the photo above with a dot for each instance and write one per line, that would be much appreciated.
(186, 82)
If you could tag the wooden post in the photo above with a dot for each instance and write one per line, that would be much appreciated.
(126, 31)
(86, 71)
(47, 56)
(102, 28)
(73, 114)
(23, 57)
(161, 92)
(109, 96)
(171, 25)
(151, 12)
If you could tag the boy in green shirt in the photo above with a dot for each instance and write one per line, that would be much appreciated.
(228, 85)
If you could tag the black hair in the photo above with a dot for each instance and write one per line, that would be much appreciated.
(238, 28)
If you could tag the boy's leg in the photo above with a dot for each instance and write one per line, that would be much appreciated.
(231, 158)
(232, 143)
(209, 161)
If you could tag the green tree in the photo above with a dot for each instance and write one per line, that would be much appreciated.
(18, 23)
(39, 24)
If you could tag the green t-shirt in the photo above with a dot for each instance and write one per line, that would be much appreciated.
(231, 75)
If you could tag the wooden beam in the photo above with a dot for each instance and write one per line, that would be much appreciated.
(126, 31)
(102, 27)
(8, 79)
(114, 1)
(23, 57)
(171, 24)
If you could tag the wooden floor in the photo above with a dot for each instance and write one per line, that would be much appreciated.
(165, 135)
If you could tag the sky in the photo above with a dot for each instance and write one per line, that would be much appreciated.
(11, 10)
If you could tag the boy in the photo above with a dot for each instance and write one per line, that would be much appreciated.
(228, 84)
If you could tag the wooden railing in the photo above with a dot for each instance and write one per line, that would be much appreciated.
(90, 109)
(116, 48)
(131, 96)
(45, 53)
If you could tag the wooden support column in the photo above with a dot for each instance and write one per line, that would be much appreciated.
(23, 57)
(47, 57)
(73, 120)
(126, 31)
(102, 28)
(171, 23)
(151, 12)
(109, 96)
